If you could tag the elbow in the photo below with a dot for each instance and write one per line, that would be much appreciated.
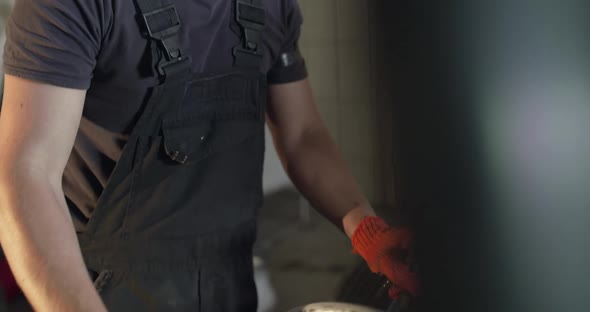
(6, 175)
(20, 181)
(15, 172)
(23, 188)
(314, 139)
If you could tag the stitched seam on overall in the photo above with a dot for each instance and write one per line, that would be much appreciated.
(237, 115)
(137, 162)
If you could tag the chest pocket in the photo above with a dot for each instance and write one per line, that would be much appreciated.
(192, 139)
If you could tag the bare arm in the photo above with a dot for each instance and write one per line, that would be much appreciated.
(312, 159)
(38, 125)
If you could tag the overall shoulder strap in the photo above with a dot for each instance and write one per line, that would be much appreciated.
(161, 26)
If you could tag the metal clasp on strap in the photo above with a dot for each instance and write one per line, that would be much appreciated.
(163, 25)
(173, 66)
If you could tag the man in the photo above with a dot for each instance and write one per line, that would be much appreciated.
(132, 138)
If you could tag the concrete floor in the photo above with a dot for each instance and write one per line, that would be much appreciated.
(307, 261)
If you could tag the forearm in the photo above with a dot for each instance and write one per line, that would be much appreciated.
(40, 243)
(318, 170)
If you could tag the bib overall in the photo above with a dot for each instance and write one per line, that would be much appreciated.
(174, 228)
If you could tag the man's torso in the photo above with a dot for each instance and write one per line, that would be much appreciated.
(121, 74)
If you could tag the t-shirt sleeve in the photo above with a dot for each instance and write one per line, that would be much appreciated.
(297, 69)
(54, 41)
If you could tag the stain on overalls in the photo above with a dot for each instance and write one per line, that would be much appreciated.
(174, 228)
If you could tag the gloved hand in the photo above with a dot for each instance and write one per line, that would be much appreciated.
(8, 284)
(386, 250)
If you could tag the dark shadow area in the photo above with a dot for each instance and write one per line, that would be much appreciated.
(489, 121)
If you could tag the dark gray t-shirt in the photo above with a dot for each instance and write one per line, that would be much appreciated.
(97, 45)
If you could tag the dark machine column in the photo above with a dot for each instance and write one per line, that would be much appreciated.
(492, 149)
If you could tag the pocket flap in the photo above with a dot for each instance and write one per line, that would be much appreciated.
(184, 140)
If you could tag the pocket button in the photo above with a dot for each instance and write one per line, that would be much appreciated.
(178, 157)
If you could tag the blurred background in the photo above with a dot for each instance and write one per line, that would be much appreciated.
(5, 6)
(470, 121)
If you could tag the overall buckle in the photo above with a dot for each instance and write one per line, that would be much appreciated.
(157, 31)
(252, 19)
(250, 15)
(163, 25)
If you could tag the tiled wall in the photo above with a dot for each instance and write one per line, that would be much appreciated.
(337, 42)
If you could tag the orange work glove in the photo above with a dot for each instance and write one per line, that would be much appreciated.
(386, 250)
(7, 283)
